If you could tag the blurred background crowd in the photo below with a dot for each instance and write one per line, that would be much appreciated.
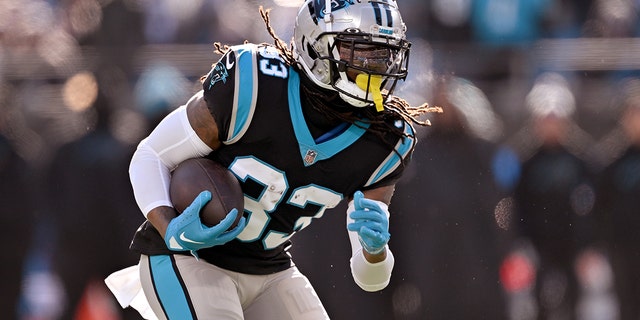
(522, 200)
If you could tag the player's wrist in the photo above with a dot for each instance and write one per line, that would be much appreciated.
(375, 257)
(160, 218)
(372, 248)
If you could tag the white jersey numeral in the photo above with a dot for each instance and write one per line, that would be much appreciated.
(275, 188)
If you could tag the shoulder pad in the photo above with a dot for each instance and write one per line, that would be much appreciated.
(238, 66)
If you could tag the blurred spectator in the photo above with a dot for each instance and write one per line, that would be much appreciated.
(554, 198)
(449, 243)
(17, 219)
(120, 34)
(565, 19)
(509, 22)
(613, 19)
(438, 20)
(94, 210)
(160, 88)
(618, 205)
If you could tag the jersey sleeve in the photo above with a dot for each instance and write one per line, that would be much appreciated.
(230, 91)
(392, 168)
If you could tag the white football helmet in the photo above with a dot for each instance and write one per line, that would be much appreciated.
(355, 47)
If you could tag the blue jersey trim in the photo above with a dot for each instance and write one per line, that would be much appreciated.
(393, 161)
(168, 288)
(310, 151)
(246, 86)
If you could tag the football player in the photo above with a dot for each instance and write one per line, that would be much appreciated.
(303, 128)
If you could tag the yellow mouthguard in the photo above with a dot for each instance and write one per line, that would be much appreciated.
(362, 80)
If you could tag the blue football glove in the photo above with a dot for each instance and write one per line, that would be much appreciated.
(186, 231)
(371, 223)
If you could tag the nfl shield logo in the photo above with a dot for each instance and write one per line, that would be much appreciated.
(310, 157)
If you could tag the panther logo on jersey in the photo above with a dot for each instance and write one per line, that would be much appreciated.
(219, 72)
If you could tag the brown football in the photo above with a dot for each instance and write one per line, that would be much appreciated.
(196, 175)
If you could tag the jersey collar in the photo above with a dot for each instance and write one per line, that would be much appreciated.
(310, 150)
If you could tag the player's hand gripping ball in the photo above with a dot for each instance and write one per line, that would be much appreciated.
(195, 175)
(371, 223)
(187, 232)
(213, 215)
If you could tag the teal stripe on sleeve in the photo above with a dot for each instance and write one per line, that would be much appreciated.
(245, 92)
(392, 162)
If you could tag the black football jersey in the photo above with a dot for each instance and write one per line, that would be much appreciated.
(289, 178)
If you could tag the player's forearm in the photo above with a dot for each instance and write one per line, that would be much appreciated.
(160, 217)
(371, 272)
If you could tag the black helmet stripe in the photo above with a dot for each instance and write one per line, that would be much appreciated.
(312, 12)
(389, 17)
(377, 8)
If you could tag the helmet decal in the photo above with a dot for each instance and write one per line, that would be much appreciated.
(377, 8)
(319, 6)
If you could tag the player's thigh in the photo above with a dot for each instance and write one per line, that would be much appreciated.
(181, 287)
(288, 296)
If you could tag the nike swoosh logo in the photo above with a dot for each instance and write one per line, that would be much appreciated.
(185, 239)
(229, 64)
